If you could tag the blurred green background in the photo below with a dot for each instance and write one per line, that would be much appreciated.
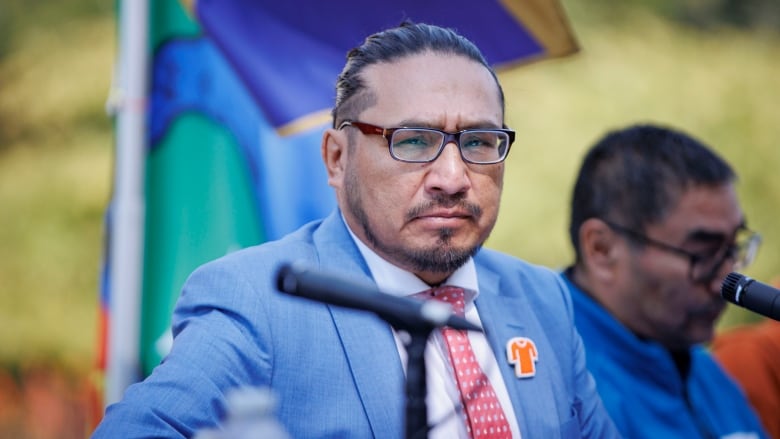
(708, 67)
(56, 62)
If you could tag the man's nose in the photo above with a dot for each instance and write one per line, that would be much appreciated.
(449, 173)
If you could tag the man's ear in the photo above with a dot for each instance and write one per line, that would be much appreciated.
(600, 249)
(334, 155)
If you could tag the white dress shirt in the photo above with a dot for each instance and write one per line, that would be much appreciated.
(445, 413)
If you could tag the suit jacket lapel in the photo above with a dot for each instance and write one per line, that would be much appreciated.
(366, 339)
(511, 316)
(376, 368)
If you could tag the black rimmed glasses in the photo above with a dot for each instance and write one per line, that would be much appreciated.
(423, 145)
(704, 266)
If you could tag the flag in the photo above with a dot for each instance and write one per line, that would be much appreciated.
(234, 101)
(291, 51)
(213, 184)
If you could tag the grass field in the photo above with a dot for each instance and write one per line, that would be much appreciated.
(56, 152)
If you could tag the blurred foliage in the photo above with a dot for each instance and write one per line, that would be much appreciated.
(746, 14)
(31, 28)
(19, 18)
(55, 170)
(640, 61)
(703, 14)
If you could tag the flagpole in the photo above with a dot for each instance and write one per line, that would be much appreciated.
(126, 223)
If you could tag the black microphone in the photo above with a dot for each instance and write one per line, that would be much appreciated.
(751, 294)
(401, 312)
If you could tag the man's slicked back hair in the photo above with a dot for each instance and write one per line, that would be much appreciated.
(390, 45)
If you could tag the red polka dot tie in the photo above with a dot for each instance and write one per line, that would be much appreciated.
(484, 415)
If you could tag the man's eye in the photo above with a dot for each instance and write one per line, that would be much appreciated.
(412, 141)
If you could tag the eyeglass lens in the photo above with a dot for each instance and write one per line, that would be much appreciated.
(741, 253)
(422, 145)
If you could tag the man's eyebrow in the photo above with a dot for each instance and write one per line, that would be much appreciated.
(470, 126)
(707, 236)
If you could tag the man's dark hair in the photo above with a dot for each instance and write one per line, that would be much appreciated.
(634, 176)
(407, 39)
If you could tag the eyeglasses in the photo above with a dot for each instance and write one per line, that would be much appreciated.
(704, 267)
(423, 145)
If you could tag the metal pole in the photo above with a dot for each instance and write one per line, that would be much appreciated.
(126, 223)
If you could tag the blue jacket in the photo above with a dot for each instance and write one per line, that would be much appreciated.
(336, 372)
(645, 393)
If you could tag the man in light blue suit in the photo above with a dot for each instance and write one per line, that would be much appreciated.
(415, 156)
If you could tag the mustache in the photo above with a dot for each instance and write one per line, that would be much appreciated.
(444, 202)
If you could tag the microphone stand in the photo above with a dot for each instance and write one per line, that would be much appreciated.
(416, 385)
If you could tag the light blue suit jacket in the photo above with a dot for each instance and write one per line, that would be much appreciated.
(336, 372)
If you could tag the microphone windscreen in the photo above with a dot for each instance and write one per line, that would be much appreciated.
(729, 287)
